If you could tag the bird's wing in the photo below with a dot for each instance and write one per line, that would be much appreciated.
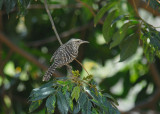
(54, 54)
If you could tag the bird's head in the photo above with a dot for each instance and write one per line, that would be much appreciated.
(78, 42)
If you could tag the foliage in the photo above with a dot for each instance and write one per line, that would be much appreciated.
(71, 94)
(129, 33)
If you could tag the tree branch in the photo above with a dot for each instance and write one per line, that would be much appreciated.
(26, 55)
(52, 22)
(144, 5)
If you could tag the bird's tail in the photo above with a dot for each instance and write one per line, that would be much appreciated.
(49, 72)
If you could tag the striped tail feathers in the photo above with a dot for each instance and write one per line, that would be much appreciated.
(49, 72)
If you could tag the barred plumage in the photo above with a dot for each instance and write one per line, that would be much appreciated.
(65, 54)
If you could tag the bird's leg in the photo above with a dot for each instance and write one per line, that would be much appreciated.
(69, 69)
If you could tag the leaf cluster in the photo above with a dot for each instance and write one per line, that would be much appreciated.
(129, 34)
(72, 95)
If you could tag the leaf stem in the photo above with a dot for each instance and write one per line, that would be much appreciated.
(82, 66)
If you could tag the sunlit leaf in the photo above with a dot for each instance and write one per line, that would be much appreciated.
(75, 93)
(102, 11)
(39, 93)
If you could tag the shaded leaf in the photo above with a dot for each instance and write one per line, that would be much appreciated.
(87, 107)
(50, 104)
(102, 11)
(106, 30)
(129, 47)
(62, 103)
(110, 97)
(34, 105)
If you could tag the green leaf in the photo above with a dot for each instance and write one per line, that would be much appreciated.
(82, 99)
(50, 104)
(62, 103)
(94, 111)
(34, 105)
(129, 47)
(107, 30)
(75, 93)
(87, 107)
(110, 97)
(49, 84)
(41, 93)
(76, 108)
(102, 11)
(69, 100)
(120, 34)
(76, 73)
(64, 89)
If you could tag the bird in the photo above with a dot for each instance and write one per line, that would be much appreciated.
(64, 55)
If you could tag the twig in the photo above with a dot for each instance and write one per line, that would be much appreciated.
(142, 4)
(82, 66)
(53, 25)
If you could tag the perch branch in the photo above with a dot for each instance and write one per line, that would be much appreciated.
(52, 22)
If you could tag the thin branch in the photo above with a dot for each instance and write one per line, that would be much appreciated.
(82, 66)
(26, 55)
(155, 74)
(53, 25)
(142, 4)
(62, 35)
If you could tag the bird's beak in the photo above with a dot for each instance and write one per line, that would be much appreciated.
(85, 42)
